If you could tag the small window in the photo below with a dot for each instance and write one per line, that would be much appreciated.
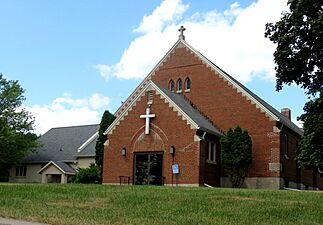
(179, 85)
(171, 85)
(150, 96)
(211, 157)
(286, 146)
(187, 84)
(21, 171)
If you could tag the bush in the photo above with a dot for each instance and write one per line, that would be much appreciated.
(236, 155)
(90, 175)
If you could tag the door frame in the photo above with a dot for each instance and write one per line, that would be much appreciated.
(147, 153)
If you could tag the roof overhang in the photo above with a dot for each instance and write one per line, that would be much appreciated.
(54, 164)
(152, 86)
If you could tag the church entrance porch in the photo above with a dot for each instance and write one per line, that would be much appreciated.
(148, 168)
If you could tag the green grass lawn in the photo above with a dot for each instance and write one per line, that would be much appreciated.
(100, 204)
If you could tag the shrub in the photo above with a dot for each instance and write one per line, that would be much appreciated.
(236, 155)
(88, 175)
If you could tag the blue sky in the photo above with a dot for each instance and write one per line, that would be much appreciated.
(77, 58)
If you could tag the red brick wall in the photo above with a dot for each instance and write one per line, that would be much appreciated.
(289, 164)
(210, 173)
(227, 108)
(166, 129)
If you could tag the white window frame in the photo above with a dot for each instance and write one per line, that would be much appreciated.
(21, 171)
(171, 85)
(187, 81)
(211, 153)
(179, 86)
(150, 97)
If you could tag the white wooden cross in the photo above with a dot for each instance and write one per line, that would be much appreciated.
(147, 116)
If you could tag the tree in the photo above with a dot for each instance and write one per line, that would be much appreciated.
(16, 126)
(310, 153)
(299, 39)
(106, 121)
(299, 59)
(236, 155)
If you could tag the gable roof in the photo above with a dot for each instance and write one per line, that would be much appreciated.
(180, 103)
(88, 147)
(62, 143)
(184, 108)
(260, 103)
(63, 167)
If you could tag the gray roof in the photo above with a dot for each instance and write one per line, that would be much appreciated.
(65, 167)
(62, 143)
(192, 112)
(88, 149)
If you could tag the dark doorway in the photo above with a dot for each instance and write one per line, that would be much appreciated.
(148, 168)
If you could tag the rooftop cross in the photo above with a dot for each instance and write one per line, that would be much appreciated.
(181, 30)
(147, 116)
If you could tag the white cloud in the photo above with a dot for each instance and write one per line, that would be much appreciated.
(168, 11)
(299, 123)
(66, 111)
(233, 39)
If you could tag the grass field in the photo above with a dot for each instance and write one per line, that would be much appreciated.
(100, 204)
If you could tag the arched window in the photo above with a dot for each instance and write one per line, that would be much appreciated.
(179, 85)
(171, 85)
(187, 84)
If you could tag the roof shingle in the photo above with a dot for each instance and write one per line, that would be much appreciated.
(61, 144)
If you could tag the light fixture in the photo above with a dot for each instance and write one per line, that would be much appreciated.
(172, 150)
(123, 151)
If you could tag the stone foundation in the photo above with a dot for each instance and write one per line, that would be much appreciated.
(257, 182)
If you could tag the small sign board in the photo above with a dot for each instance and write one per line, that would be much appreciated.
(175, 169)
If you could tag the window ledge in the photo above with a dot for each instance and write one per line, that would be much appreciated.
(179, 91)
(211, 162)
(187, 90)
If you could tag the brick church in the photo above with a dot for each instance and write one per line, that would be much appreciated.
(168, 130)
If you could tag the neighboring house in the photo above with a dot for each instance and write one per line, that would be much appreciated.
(63, 150)
(168, 130)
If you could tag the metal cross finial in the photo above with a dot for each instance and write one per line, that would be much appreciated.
(181, 30)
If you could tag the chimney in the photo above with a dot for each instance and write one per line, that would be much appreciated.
(286, 112)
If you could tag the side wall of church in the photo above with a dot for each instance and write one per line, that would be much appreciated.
(210, 172)
(290, 169)
(226, 107)
(294, 176)
(166, 129)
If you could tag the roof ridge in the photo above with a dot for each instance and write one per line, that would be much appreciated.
(73, 126)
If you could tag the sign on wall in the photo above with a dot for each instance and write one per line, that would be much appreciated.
(175, 169)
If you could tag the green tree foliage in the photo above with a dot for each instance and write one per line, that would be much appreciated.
(299, 59)
(16, 126)
(236, 155)
(90, 175)
(106, 121)
(310, 153)
(299, 39)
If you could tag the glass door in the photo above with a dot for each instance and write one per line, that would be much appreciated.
(149, 168)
